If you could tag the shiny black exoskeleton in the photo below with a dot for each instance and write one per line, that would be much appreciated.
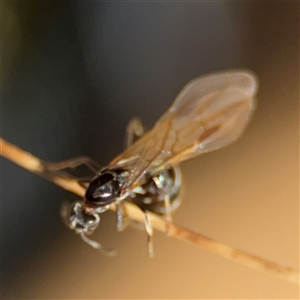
(107, 186)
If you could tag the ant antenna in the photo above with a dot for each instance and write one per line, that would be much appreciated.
(98, 246)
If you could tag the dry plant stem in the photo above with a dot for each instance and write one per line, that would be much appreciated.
(35, 165)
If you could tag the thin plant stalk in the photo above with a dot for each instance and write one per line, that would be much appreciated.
(33, 164)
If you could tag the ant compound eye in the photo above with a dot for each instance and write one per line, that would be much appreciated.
(103, 190)
(82, 222)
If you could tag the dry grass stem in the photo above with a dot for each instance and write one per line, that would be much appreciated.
(35, 165)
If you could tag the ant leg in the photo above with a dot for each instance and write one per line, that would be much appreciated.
(134, 129)
(122, 218)
(149, 231)
(73, 163)
(167, 203)
(168, 215)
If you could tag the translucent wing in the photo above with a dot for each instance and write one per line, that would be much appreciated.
(210, 112)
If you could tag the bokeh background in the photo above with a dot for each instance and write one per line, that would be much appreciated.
(74, 73)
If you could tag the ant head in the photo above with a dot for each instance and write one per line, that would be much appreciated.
(84, 224)
(78, 220)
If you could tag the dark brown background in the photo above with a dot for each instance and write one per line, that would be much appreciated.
(74, 73)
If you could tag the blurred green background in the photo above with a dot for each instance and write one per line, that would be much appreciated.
(74, 73)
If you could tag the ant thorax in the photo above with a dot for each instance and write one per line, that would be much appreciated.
(104, 189)
(107, 188)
